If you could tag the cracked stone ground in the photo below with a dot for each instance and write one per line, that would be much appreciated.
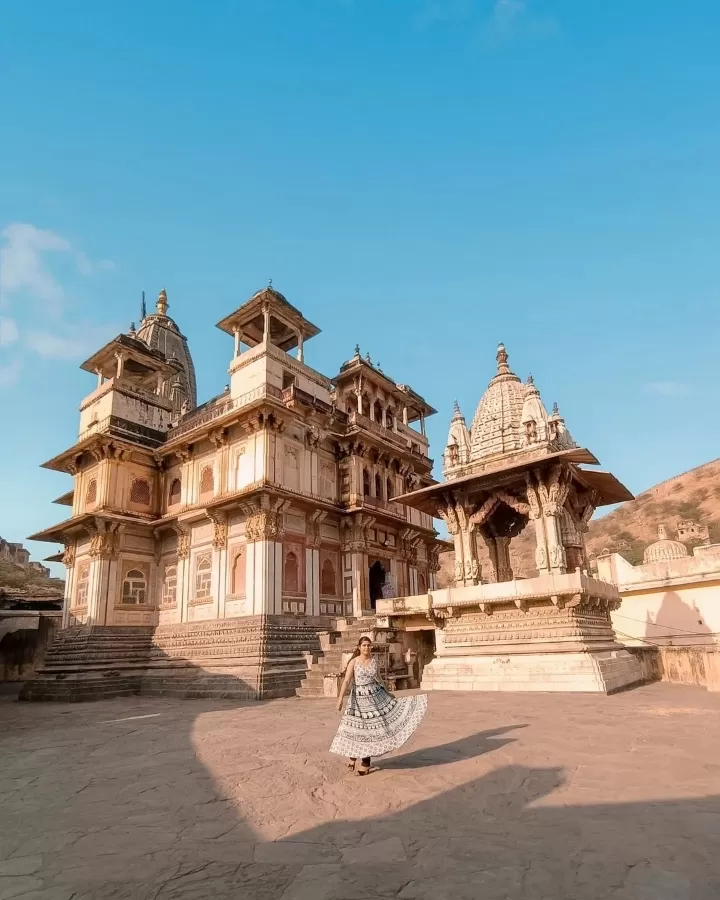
(496, 797)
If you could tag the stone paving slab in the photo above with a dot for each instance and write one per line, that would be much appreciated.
(497, 797)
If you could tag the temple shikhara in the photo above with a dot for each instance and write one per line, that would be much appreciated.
(240, 547)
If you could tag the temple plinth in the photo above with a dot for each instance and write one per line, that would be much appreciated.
(494, 631)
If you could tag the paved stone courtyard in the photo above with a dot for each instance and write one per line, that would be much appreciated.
(497, 797)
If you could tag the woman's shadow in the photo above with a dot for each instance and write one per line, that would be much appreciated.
(464, 748)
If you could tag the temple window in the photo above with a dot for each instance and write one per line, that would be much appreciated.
(377, 411)
(91, 492)
(328, 581)
(389, 489)
(134, 587)
(288, 380)
(389, 418)
(366, 483)
(81, 593)
(237, 577)
(203, 576)
(175, 491)
(378, 487)
(292, 469)
(351, 403)
(140, 492)
(422, 584)
(207, 483)
(169, 585)
(290, 573)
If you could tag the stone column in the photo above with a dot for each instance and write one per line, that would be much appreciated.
(536, 516)
(219, 562)
(236, 335)
(120, 357)
(182, 586)
(358, 390)
(553, 490)
(361, 594)
(300, 347)
(266, 323)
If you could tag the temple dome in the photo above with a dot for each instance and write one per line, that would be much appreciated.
(497, 425)
(160, 332)
(664, 549)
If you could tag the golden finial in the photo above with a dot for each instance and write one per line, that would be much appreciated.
(162, 303)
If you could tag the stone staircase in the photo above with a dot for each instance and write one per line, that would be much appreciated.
(323, 678)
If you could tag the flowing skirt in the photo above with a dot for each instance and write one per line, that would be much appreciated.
(375, 722)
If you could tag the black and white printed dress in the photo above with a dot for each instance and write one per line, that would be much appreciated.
(375, 722)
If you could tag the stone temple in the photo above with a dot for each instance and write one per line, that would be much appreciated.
(240, 547)
(515, 467)
(231, 538)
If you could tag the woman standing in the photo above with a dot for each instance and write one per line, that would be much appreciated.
(374, 722)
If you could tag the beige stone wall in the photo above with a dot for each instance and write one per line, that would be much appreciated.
(676, 602)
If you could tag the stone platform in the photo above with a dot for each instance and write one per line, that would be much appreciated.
(254, 658)
(549, 633)
(519, 797)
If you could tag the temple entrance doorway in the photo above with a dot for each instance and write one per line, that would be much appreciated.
(376, 580)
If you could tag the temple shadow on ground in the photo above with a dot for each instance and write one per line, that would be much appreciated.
(138, 815)
(465, 748)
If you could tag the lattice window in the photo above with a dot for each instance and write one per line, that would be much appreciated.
(203, 576)
(327, 480)
(91, 492)
(207, 482)
(81, 591)
(175, 492)
(328, 579)
(238, 574)
(140, 492)
(291, 573)
(134, 587)
(169, 593)
(291, 470)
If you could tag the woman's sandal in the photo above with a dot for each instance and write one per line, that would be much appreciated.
(362, 771)
(351, 765)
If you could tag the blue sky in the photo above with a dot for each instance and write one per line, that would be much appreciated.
(423, 177)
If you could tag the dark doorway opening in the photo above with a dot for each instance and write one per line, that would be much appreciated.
(377, 575)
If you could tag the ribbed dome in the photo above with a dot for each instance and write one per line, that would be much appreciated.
(664, 549)
(497, 426)
(161, 333)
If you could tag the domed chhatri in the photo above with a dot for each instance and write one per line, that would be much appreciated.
(518, 467)
(664, 548)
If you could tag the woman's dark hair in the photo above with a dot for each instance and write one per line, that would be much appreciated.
(356, 651)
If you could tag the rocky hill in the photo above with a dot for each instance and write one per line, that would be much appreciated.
(694, 495)
(34, 583)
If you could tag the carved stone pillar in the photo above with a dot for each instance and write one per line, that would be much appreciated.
(553, 491)
(542, 562)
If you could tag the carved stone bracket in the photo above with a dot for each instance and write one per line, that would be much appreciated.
(103, 538)
(314, 538)
(68, 557)
(265, 519)
(219, 522)
(183, 546)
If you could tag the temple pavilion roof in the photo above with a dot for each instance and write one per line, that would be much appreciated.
(286, 321)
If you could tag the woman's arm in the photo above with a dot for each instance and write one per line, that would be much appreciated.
(346, 681)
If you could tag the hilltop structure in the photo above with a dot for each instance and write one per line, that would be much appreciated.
(235, 531)
(517, 465)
